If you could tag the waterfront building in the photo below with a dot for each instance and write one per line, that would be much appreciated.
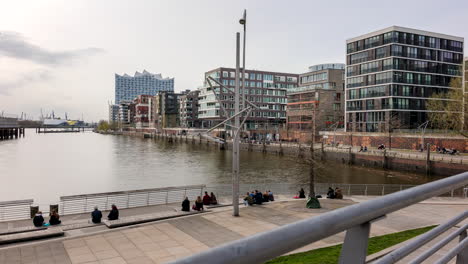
(141, 114)
(391, 73)
(129, 87)
(265, 89)
(165, 110)
(113, 113)
(124, 113)
(188, 109)
(319, 97)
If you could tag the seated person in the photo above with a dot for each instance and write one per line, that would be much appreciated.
(198, 206)
(270, 196)
(114, 213)
(302, 193)
(186, 205)
(213, 199)
(248, 200)
(338, 193)
(365, 148)
(38, 219)
(206, 199)
(258, 197)
(266, 197)
(330, 193)
(96, 216)
(54, 218)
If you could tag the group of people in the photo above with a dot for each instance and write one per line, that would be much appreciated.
(363, 149)
(199, 202)
(54, 218)
(256, 197)
(443, 150)
(334, 194)
(381, 146)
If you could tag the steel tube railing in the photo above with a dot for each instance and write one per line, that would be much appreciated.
(421, 240)
(438, 246)
(453, 252)
(15, 210)
(267, 245)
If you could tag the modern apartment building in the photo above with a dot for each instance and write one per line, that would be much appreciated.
(319, 97)
(165, 110)
(129, 87)
(391, 73)
(188, 110)
(265, 89)
(113, 113)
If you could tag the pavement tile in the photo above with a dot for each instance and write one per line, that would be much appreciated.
(106, 254)
(72, 243)
(82, 258)
(117, 260)
(140, 260)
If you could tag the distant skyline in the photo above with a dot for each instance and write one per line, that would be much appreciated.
(61, 56)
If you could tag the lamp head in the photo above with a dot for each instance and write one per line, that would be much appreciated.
(243, 20)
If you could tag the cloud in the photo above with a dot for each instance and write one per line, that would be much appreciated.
(14, 45)
(24, 79)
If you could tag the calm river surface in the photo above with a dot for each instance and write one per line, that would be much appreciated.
(47, 166)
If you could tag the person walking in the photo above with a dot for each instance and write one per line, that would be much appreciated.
(96, 215)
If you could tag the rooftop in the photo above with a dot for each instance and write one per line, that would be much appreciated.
(144, 73)
(408, 30)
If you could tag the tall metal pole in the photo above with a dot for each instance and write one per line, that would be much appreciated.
(235, 141)
(243, 60)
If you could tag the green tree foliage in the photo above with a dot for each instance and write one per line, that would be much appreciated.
(447, 108)
(103, 126)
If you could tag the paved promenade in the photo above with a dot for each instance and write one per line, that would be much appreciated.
(163, 241)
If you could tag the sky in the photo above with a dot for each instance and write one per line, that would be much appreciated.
(61, 55)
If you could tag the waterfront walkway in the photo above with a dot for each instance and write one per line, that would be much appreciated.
(163, 241)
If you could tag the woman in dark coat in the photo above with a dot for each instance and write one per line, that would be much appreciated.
(213, 199)
(54, 218)
(186, 205)
(302, 193)
(114, 213)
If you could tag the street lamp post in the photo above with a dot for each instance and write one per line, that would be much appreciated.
(243, 21)
(235, 140)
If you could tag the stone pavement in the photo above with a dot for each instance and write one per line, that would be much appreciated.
(164, 241)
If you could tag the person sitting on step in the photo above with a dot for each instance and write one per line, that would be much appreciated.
(248, 200)
(213, 199)
(330, 193)
(114, 213)
(96, 216)
(38, 219)
(206, 199)
(198, 204)
(54, 218)
(186, 205)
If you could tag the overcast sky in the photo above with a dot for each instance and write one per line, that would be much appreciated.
(62, 55)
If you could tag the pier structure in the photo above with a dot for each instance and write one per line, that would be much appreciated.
(9, 128)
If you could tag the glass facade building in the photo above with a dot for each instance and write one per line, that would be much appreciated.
(391, 73)
(129, 87)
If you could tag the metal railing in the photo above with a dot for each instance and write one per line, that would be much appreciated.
(355, 219)
(76, 204)
(291, 189)
(15, 210)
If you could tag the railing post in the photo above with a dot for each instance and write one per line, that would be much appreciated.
(401, 187)
(354, 249)
(383, 189)
(147, 198)
(462, 257)
(349, 190)
(365, 192)
(167, 196)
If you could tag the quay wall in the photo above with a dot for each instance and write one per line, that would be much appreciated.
(372, 159)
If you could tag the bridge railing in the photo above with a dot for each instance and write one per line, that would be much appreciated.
(15, 210)
(290, 189)
(355, 219)
(76, 204)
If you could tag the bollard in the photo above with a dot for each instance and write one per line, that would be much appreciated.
(34, 209)
(53, 207)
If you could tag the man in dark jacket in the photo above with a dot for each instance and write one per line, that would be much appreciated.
(38, 219)
(258, 197)
(96, 215)
(186, 205)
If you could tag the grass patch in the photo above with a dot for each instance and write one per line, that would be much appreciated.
(330, 255)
